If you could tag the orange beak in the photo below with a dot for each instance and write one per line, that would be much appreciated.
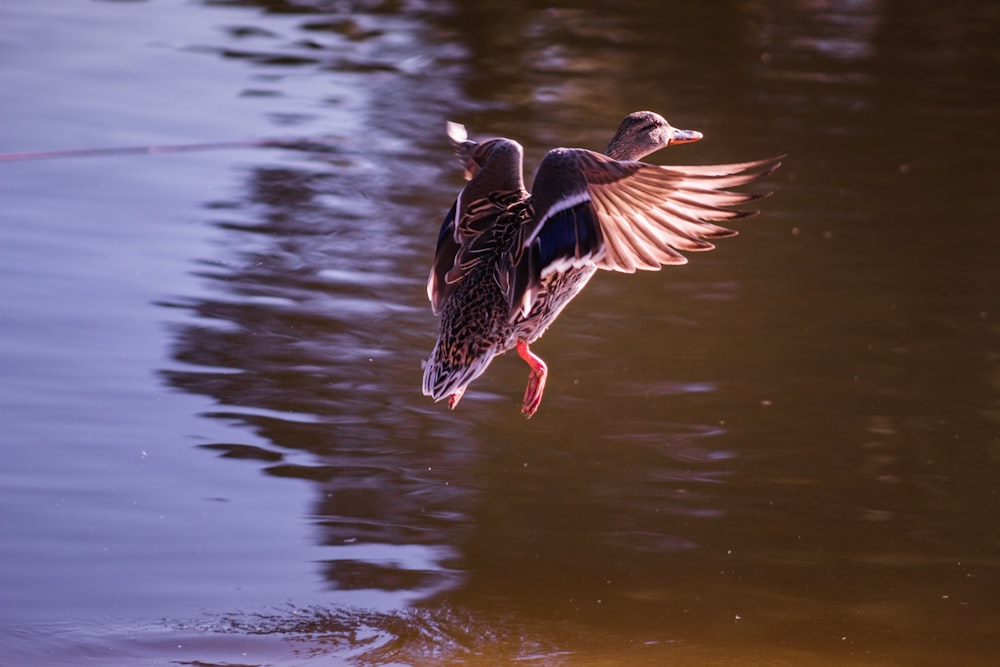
(685, 136)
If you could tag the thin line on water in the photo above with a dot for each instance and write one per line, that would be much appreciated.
(148, 150)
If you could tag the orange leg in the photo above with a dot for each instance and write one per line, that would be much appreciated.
(536, 379)
(455, 398)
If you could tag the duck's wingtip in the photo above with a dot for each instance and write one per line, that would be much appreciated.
(776, 162)
(456, 132)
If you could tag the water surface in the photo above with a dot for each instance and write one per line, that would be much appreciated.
(215, 449)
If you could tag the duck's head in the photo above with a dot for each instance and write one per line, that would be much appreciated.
(644, 132)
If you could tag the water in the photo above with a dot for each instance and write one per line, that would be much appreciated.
(215, 449)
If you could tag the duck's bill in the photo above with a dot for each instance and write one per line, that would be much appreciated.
(685, 136)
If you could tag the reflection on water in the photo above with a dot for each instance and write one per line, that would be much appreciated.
(786, 450)
(304, 346)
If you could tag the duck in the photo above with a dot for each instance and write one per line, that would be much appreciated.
(509, 260)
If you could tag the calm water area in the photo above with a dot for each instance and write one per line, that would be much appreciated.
(215, 450)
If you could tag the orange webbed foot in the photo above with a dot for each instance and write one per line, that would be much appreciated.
(455, 398)
(536, 380)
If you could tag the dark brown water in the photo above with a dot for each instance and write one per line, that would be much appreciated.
(215, 450)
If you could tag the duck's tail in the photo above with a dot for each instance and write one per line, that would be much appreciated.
(449, 370)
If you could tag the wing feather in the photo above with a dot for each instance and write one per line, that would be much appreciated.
(493, 168)
(640, 215)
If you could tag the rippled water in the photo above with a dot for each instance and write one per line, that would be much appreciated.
(215, 449)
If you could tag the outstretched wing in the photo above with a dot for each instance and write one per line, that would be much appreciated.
(623, 216)
(493, 168)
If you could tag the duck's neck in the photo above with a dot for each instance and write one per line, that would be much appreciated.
(630, 150)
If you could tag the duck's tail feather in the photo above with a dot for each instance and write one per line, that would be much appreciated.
(448, 371)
